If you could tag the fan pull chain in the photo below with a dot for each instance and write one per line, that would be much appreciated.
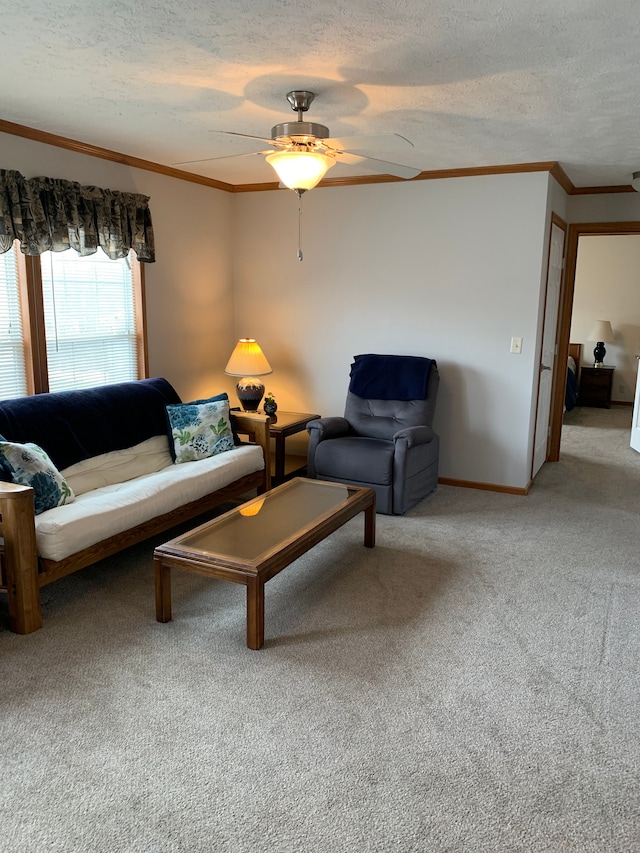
(299, 255)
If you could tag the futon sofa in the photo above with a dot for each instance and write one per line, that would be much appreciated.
(120, 463)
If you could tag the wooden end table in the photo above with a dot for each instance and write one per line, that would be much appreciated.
(254, 542)
(284, 424)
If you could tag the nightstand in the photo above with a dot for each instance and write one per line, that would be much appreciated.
(596, 385)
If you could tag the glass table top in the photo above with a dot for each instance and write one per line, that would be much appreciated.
(248, 532)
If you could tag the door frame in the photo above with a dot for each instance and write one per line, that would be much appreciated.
(562, 225)
(577, 230)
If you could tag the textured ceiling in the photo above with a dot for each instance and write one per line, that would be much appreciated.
(473, 83)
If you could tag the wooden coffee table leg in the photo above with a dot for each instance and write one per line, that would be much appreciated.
(163, 591)
(255, 613)
(370, 525)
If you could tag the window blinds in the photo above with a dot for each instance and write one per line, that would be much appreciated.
(13, 381)
(89, 319)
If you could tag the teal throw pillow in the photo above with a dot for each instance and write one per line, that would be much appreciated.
(214, 399)
(200, 430)
(5, 473)
(29, 465)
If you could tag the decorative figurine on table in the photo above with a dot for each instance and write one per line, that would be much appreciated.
(270, 406)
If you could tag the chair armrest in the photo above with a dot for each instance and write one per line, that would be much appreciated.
(256, 426)
(415, 435)
(323, 428)
(319, 430)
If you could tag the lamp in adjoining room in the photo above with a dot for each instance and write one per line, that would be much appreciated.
(603, 334)
(248, 361)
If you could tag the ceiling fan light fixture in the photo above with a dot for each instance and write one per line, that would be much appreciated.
(300, 170)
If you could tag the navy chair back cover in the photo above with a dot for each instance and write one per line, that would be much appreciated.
(392, 378)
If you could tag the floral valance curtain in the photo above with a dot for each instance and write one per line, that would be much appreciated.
(48, 214)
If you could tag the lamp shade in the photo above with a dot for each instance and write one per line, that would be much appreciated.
(300, 170)
(602, 331)
(247, 359)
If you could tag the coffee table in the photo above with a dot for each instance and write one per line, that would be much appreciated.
(253, 542)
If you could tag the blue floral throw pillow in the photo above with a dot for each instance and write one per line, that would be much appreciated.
(29, 465)
(200, 430)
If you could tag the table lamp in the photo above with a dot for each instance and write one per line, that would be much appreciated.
(248, 361)
(602, 333)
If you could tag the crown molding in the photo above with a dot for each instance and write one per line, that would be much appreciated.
(617, 188)
(551, 166)
(556, 171)
(440, 174)
(106, 154)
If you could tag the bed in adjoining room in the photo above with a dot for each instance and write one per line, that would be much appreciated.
(573, 376)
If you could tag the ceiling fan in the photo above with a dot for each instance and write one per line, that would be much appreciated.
(302, 152)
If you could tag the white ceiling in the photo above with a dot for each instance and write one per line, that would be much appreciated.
(473, 83)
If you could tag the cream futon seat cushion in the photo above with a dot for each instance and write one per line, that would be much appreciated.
(123, 488)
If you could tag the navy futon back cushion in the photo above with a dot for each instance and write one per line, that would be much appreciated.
(75, 425)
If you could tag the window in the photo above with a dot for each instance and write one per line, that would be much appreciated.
(85, 315)
(13, 375)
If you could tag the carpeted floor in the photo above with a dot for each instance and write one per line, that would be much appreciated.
(471, 684)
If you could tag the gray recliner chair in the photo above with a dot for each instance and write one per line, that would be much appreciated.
(385, 440)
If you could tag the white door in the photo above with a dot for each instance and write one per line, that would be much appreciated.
(635, 424)
(547, 351)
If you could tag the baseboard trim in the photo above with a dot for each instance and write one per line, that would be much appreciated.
(622, 402)
(487, 487)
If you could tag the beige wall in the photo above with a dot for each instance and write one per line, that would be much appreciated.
(450, 269)
(616, 207)
(604, 207)
(608, 288)
(188, 288)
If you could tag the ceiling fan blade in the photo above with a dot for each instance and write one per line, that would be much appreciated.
(249, 136)
(224, 157)
(382, 167)
(383, 142)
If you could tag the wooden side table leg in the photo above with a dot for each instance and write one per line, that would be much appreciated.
(255, 613)
(163, 590)
(279, 463)
(370, 525)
